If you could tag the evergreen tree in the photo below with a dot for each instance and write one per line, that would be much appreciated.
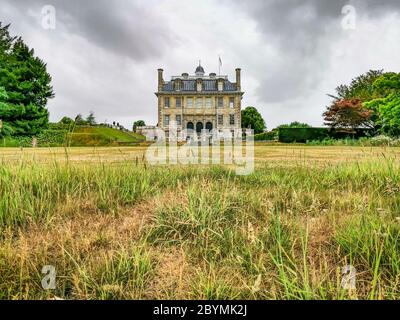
(27, 84)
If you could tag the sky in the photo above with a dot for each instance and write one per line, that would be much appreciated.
(103, 55)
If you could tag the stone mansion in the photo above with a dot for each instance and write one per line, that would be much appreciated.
(199, 102)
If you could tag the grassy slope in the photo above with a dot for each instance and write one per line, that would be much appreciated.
(88, 136)
(129, 230)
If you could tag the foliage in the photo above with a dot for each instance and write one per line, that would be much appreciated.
(90, 119)
(348, 114)
(27, 83)
(294, 124)
(67, 121)
(79, 121)
(139, 123)
(266, 136)
(252, 119)
(303, 135)
(361, 87)
(389, 106)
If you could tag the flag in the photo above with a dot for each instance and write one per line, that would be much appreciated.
(220, 62)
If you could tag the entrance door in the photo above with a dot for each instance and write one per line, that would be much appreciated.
(190, 126)
(199, 127)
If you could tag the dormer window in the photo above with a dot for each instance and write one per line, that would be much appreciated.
(178, 85)
(199, 85)
(220, 85)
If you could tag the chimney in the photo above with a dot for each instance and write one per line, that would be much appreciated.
(160, 79)
(238, 85)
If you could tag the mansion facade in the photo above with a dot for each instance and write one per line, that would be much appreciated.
(199, 103)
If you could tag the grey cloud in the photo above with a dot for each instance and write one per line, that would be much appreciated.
(126, 28)
(303, 34)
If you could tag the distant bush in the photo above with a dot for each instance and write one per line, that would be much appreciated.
(266, 136)
(47, 138)
(303, 135)
(379, 141)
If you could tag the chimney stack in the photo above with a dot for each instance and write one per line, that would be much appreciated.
(238, 85)
(160, 79)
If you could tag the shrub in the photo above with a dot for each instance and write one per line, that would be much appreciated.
(303, 135)
(266, 136)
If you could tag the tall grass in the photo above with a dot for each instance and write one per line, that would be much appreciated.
(126, 230)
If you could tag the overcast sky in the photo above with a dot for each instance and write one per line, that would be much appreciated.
(103, 55)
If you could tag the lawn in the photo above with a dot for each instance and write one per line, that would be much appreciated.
(116, 228)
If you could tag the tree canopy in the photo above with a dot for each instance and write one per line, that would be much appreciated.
(26, 84)
(361, 87)
(387, 107)
(252, 119)
(139, 123)
(348, 114)
(295, 124)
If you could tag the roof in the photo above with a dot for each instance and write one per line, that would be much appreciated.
(208, 86)
(199, 69)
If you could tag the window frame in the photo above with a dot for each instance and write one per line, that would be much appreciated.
(187, 102)
(208, 102)
(232, 122)
(197, 102)
(166, 123)
(180, 102)
(232, 102)
(220, 99)
(167, 102)
(220, 119)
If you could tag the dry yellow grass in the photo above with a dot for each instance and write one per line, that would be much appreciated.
(131, 231)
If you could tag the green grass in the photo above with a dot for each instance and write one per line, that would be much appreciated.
(109, 135)
(126, 230)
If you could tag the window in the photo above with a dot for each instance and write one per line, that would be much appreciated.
(231, 119)
(178, 120)
(208, 102)
(220, 102)
(166, 102)
(220, 119)
(178, 102)
(199, 102)
(189, 102)
(220, 86)
(231, 102)
(166, 120)
(199, 86)
(178, 85)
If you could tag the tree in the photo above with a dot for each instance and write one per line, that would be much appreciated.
(252, 119)
(387, 107)
(5, 129)
(27, 83)
(139, 123)
(348, 114)
(295, 124)
(90, 119)
(361, 87)
(66, 120)
(79, 121)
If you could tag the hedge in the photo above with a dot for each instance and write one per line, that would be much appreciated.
(266, 136)
(303, 135)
